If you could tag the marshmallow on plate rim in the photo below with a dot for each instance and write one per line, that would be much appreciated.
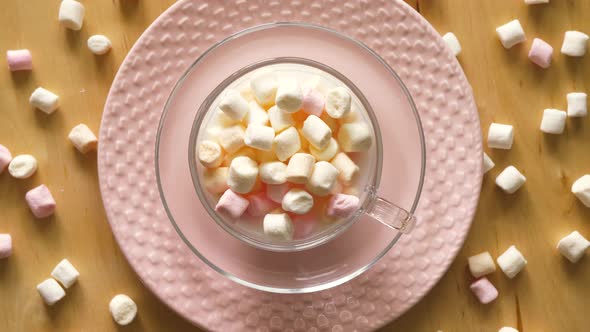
(22, 166)
(573, 246)
(297, 201)
(50, 291)
(511, 33)
(123, 309)
(274, 172)
(234, 105)
(99, 44)
(488, 163)
(540, 53)
(242, 175)
(41, 201)
(347, 168)
(19, 60)
(484, 290)
(313, 102)
(259, 205)
(71, 14)
(355, 137)
(500, 136)
(231, 138)
(256, 114)
(577, 104)
(452, 42)
(481, 264)
(300, 167)
(83, 138)
(65, 273)
(338, 102)
(289, 97)
(581, 188)
(215, 179)
(511, 262)
(316, 132)
(276, 192)
(278, 226)
(510, 180)
(287, 143)
(5, 158)
(232, 204)
(553, 121)
(44, 100)
(264, 87)
(5, 245)
(574, 43)
(209, 154)
(322, 179)
(327, 153)
(279, 120)
(342, 205)
(259, 137)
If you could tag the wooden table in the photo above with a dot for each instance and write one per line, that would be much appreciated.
(551, 294)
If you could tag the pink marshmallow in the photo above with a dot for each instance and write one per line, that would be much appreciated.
(40, 201)
(260, 205)
(342, 205)
(5, 158)
(5, 245)
(313, 102)
(484, 290)
(541, 53)
(304, 226)
(19, 60)
(276, 192)
(231, 204)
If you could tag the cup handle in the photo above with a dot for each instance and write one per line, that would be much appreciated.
(390, 215)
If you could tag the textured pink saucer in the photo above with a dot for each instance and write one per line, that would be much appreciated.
(164, 263)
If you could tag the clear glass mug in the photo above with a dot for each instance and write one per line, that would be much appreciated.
(370, 203)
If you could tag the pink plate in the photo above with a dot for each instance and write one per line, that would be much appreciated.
(168, 267)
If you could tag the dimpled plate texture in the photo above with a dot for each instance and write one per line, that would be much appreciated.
(168, 267)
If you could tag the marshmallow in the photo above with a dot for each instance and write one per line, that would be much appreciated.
(231, 139)
(83, 138)
(65, 273)
(274, 172)
(506, 328)
(234, 105)
(279, 120)
(315, 83)
(44, 100)
(581, 188)
(215, 180)
(243, 152)
(41, 201)
(355, 137)
(452, 42)
(50, 291)
(316, 132)
(287, 143)
(220, 120)
(484, 290)
(231, 204)
(5, 245)
(243, 172)
(540, 53)
(264, 86)
(338, 102)
(304, 226)
(573, 246)
(510, 180)
(535, 2)
(488, 163)
(313, 102)
(347, 168)
(209, 154)
(553, 121)
(322, 179)
(511, 262)
(19, 60)
(574, 43)
(22, 166)
(353, 116)
(289, 96)
(511, 34)
(500, 136)
(481, 264)
(576, 104)
(300, 167)
(297, 201)
(259, 137)
(123, 309)
(327, 153)
(259, 205)
(332, 123)
(278, 226)
(256, 114)
(99, 44)
(342, 205)
(71, 14)
(276, 192)
(247, 93)
(5, 158)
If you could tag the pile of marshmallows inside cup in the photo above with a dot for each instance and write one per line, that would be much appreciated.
(277, 171)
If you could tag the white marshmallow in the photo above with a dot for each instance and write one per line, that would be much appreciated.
(44, 100)
(215, 179)
(278, 226)
(574, 43)
(507, 329)
(256, 114)
(481, 264)
(511, 33)
(510, 180)
(327, 153)
(452, 42)
(71, 14)
(50, 291)
(99, 44)
(22, 166)
(581, 188)
(243, 152)
(243, 172)
(287, 143)
(338, 102)
(347, 169)
(231, 139)
(83, 138)
(274, 172)
(576, 104)
(210, 154)
(289, 96)
(322, 179)
(355, 137)
(500, 136)
(65, 273)
(220, 120)
(316, 132)
(315, 83)
(234, 105)
(488, 163)
(573, 246)
(123, 309)
(247, 93)
(297, 201)
(553, 121)
(276, 192)
(353, 116)
(279, 120)
(535, 2)
(300, 167)
(264, 86)
(259, 137)
(511, 262)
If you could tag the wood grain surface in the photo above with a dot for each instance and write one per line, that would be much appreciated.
(551, 294)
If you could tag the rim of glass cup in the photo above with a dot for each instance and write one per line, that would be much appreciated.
(332, 283)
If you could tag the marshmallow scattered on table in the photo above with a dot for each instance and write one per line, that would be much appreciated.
(231, 139)
(256, 114)
(500, 136)
(71, 14)
(316, 132)
(279, 120)
(338, 102)
(300, 167)
(274, 172)
(242, 175)
(123, 309)
(511, 33)
(209, 154)
(297, 201)
(452, 42)
(347, 169)
(541, 53)
(327, 153)
(507, 329)
(342, 205)
(510, 180)
(19, 60)
(481, 264)
(65, 273)
(5, 158)
(287, 143)
(215, 180)
(313, 102)
(553, 121)
(44, 100)
(355, 137)
(289, 97)
(573, 246)
(232, 204)
(276, 192)
(264, 86)
(278, 226)
(83, 138)
(484, 290)
(488, 163)
(511, 262)
(99, 44)
(574, 43)
(234, 105)
(259, 137)
(50, 291)
(259, 205)
(577, 104)
(322, 179)
(535, 2)
(22, 166)
(41, 201)
(5, 245)
(581, 188)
